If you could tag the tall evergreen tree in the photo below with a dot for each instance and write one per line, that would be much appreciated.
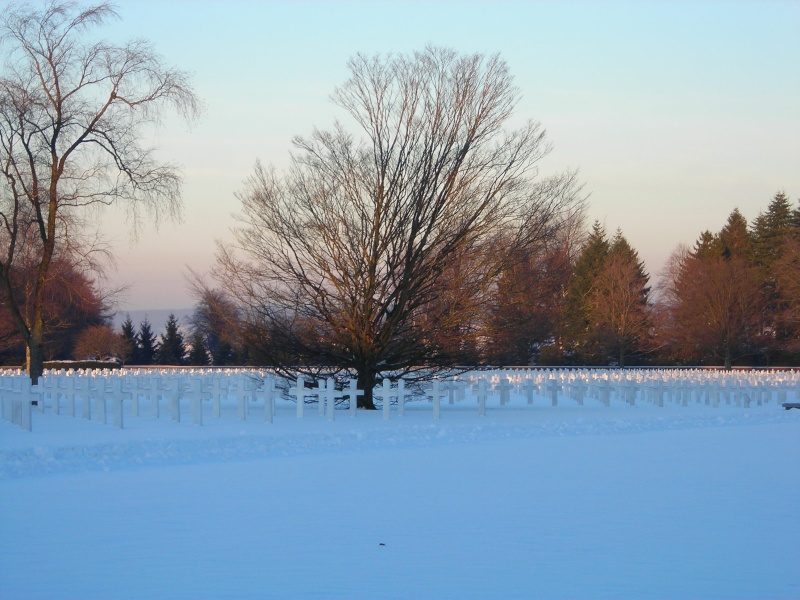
(618, 302)
(130, 343)
(788, 291)
(619, 246)
(577, 310)
(224, 354)
(734, 239)
(706, 246)
(198, 356)
(622, 249)
(147, 343)
(772, 230)
(171, 350)
(796, 219)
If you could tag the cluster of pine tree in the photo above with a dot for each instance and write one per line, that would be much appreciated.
(606, 312)
(206, 344)
(573, 304)
(735, 296)
(732, 299)
(143, 347)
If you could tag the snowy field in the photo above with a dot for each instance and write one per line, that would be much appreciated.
(615, 498)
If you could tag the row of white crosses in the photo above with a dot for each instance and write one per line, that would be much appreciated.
(93, 389)
(326, 394)
(660, 386)
(709, 387)
(17, 396)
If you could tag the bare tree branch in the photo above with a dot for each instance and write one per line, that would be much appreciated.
(369, 249)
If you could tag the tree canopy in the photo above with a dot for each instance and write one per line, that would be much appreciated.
(342, 259)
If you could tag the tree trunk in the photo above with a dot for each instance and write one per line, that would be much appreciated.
(34, 359)
(727, 357)
(366, 382)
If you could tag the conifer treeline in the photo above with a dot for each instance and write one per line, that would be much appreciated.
(201, 347)
(735, 296)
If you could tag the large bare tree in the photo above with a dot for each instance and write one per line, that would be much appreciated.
(348, 258)
(73, 117)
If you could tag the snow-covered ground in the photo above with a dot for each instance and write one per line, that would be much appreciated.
(529, 501)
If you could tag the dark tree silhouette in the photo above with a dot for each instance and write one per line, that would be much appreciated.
(130, 343)
(148, 346)
(198, 355)
(171, 350)
(342, 261)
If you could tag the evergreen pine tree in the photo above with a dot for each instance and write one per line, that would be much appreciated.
(130, 343)
(147, 343)
(796, 220)
(618, 301)
(787, 321)
(621, 248)
(770, 230)
(171, 350)
(706, 246)
(577, 311)
(198, 356)
(734, 239)
(224, 354)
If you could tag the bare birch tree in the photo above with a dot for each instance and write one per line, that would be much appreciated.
(72, 118)
(341, 260)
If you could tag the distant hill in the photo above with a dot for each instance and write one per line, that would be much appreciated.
(158, 318)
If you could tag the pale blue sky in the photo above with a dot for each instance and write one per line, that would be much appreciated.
(675, 112)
